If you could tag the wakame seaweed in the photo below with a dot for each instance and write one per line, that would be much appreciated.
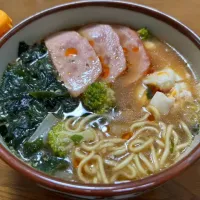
(30, 148)
(30, 89)
(47, 163)
(23, 47)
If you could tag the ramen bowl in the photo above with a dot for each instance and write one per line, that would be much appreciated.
(68, 16)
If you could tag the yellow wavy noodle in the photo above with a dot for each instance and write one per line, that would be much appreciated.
(110, 159)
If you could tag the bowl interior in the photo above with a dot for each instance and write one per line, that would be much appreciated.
(61, 18)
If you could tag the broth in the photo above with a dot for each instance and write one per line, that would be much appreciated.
(106, 128)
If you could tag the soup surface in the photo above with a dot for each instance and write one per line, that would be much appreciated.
(102, 104)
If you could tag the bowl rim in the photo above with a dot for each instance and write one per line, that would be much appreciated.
(102, 190)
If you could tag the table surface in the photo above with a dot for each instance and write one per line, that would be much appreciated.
(184, 187)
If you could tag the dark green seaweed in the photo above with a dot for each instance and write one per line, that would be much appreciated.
(23, 47)
(30, 89)
(47, 163)
(195, 129)
(30, 148)
(150, 93)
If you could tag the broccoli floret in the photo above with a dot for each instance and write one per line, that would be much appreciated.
(144, 33)
(99, 98)
(58, 140)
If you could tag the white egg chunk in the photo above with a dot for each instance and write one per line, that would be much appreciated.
(162, 103)
(180, 90)
(141, 94)
(179, 78)
(185, 94)
(149, 45)
(164, 80)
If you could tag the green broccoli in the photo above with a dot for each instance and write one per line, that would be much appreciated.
(144, 33)
(58, 140)
(99, 98)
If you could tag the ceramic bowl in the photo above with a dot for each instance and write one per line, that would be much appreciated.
(71, 15)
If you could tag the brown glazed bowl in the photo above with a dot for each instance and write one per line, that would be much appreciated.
(75, 14)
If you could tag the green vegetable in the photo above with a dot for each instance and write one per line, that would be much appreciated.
(172, 146)
(46, 94)
(144, 34)
(29, 148)
(76, 138)
(48, 163)
(44, 128)
(99, 98)
(149, 93)
(149, 172)
(195, 129)
(3, 130)
(23, 47)
(58, 140)
(29, 90)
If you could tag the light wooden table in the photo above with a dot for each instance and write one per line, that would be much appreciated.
(185, 187)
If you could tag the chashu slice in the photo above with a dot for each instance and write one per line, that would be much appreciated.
(137, 59)
(74, 59)
(107, 46)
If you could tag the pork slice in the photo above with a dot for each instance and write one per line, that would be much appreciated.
(74, 59)
(137, 59)
(107, 46)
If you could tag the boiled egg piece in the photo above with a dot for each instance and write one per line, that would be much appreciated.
(164, 80)
(162, 103)
(180, 90)
(149, 45)
(141, 94)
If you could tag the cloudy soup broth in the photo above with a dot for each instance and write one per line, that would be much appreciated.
(101, 104)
